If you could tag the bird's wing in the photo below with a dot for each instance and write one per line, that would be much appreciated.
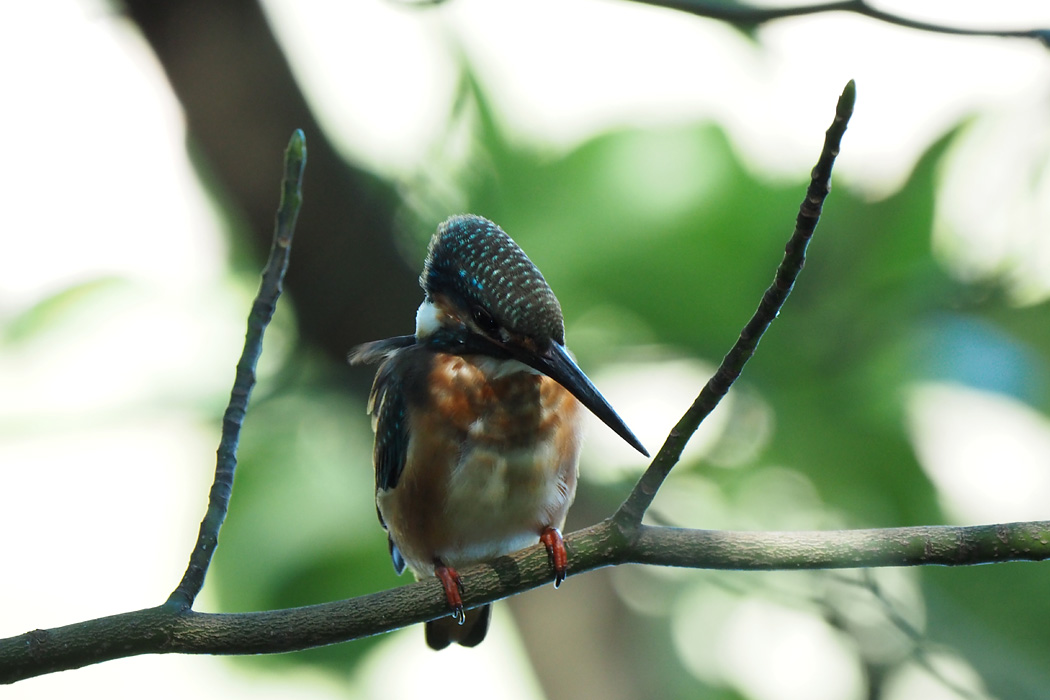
(386, 405)
(390, 417)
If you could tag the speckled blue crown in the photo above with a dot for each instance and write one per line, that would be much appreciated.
(473, 259)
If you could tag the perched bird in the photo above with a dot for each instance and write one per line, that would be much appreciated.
(477, 418)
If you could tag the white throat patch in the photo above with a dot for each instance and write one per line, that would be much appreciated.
(426, 320)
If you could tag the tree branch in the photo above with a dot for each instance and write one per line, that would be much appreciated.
(752, 16)
(262, 311)
(164, 630)
(631, 511)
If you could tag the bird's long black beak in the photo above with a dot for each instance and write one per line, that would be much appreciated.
(557, 364)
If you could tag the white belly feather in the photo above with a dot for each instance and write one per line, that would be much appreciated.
(500, 500)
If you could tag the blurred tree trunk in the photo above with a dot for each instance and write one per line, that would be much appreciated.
(347, 281)
(582, 640)
(241, 102)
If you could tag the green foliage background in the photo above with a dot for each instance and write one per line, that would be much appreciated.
(668, 233)
(658, 242)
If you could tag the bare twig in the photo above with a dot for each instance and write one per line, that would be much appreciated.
(752, 16)
(747, 15)
(262, 311)
(922, 652)
(631, 511)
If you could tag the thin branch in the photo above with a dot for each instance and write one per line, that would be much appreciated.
(922, 652)
(262, 311)
(747, 15)
(164, 630)
(631, 511)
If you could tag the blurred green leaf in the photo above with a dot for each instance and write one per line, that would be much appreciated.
(56, 309)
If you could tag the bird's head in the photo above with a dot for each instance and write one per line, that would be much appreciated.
(485, 297)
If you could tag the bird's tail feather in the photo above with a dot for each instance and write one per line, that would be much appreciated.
(442, 632)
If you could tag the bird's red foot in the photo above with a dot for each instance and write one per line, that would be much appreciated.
(559, 558)
(453, 589)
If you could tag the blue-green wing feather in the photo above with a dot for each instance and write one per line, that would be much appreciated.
(391, 424)
(389, 413)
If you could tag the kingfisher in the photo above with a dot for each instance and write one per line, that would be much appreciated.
(477, 419)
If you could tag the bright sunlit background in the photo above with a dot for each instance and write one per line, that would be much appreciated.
(120, 322)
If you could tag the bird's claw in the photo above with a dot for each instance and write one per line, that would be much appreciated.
(559, 558)
(453, 590)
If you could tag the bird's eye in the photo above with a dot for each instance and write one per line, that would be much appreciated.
(485, 322)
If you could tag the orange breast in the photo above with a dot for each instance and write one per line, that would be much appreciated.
(491, 463)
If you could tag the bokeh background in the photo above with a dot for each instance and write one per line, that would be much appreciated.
(651, 163)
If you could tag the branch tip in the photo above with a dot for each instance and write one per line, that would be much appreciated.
(847, 100)
(296, 147)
